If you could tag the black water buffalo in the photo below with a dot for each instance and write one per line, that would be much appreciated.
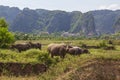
(110, 42)
(35, 45)
(77, 51)
(21, 47)
(74, 51)
(25, 46)
(85, 51)
(57, 49)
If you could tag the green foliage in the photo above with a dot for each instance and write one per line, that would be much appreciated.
(29, 56)
(45, 58)
(102, 44)
(56, 65)
(3, 23)
(8, 56)
(6, 37)
(32, 53)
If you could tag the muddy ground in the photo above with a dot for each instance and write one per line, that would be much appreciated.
(21, 69)
(95, 70)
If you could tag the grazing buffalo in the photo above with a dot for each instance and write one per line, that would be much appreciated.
(110, 42)
(35, 45)
(74, 51)
(57, 49)
(85, 51)
(25, 46)
(21, 47)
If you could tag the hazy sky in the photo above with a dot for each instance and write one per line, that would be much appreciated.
(67, 5)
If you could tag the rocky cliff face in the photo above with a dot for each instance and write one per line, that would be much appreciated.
(27, 20)
(117, 25)
(9, 13)
(105, 20)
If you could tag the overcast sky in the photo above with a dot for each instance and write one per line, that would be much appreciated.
(67, 5)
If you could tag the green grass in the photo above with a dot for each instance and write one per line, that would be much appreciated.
(75, 61)
(58, 66)
(29, 56)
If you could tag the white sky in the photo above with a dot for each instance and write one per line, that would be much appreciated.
(67, 5)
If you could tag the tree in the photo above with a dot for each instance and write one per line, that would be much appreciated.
(3, 23)
(6, 37)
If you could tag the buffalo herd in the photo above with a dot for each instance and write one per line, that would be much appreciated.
(53, 49)
(62, 49)
(25, 46)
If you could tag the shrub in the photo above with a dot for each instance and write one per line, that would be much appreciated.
(45, 58)
(32, 53)
(6, 37)
(102, 44)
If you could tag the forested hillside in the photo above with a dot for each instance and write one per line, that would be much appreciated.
(32, 21)
(105, 20)
(117, 25)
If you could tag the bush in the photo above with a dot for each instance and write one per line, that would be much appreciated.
(32, 53)
(103, 44)
(45, 58)
(6, 37)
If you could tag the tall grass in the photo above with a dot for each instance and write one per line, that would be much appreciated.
(58, 66)
(73, 62)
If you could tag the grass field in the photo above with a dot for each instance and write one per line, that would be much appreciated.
(58, 67)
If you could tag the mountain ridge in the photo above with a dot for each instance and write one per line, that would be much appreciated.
(52, 21)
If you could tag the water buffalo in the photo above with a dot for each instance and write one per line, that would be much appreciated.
(35, 45)
(57, 49)
(77, 51)
(74, 51)
(85, 51)
(21, 47)
(110, 42)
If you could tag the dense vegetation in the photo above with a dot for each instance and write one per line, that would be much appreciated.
(58, 67)
(6, 37)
